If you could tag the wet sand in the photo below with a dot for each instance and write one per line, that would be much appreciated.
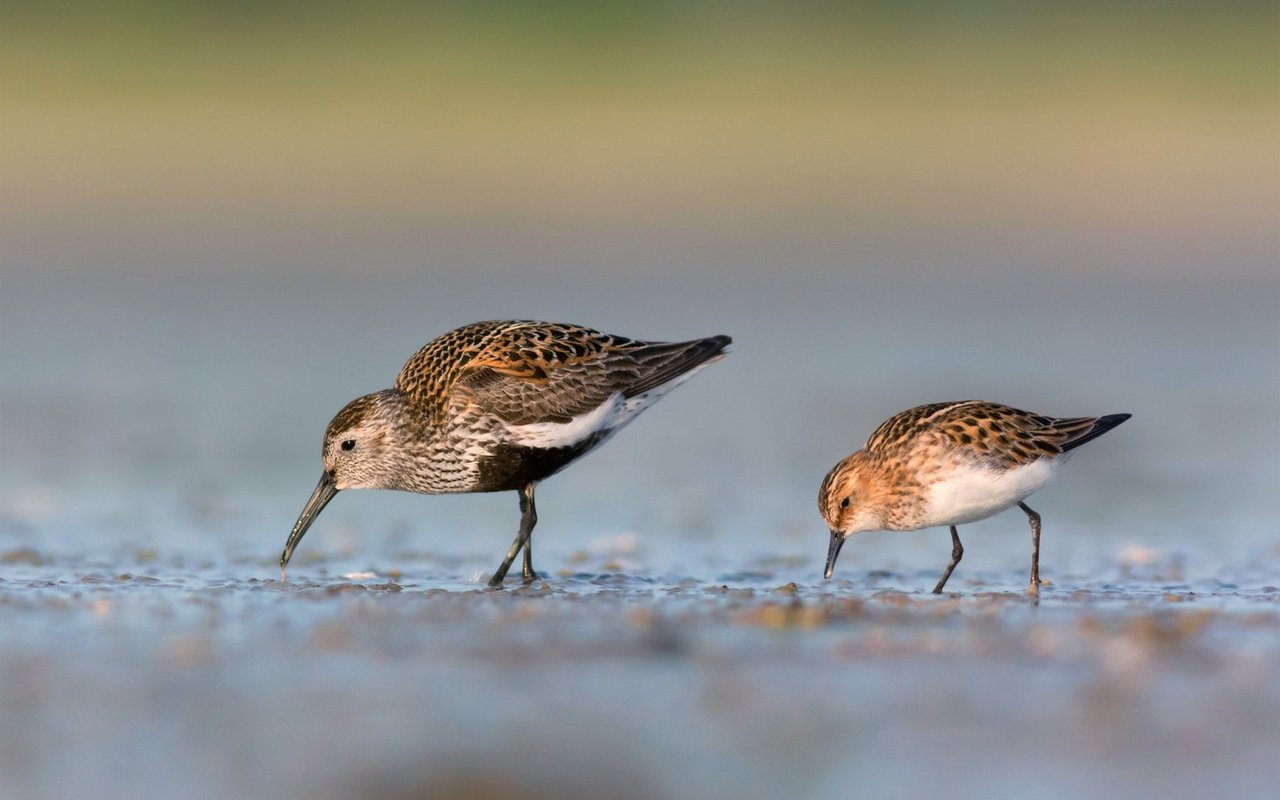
(152, 674)
(684, 645)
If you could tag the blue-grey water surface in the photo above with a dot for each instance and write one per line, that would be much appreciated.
(160, 434)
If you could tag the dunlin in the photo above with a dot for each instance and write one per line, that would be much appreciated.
(949, 464)
(497, 406)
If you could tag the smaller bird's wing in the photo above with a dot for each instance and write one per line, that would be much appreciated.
(999, 434)
(902, 429)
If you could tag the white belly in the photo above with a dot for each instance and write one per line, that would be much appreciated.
(606, 416)
(972, 493)
(609, 417)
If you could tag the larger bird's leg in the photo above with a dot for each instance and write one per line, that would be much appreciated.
(528, 518)
(1034, 586)
(957, 552)
(528, 509)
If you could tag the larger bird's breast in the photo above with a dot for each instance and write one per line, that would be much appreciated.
(482, 453)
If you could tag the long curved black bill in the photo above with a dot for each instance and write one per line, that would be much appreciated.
(325, 490)
(837, 541)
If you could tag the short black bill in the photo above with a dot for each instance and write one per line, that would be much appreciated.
(325, 490)
(837, 541)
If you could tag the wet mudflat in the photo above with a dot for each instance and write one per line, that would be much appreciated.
(147, 673)
(684, 644)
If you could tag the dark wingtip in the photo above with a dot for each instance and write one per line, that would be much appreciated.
(1101, 426)
(668, 360)
(1108, 422)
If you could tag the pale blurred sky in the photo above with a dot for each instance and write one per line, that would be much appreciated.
(157, 139)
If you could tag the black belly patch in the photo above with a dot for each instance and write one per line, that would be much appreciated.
(511, 467)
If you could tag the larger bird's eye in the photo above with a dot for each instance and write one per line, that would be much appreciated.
(843, 503)
(349, 444)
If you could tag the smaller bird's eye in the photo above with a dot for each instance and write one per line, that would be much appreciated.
(349, 444)
(843, 503)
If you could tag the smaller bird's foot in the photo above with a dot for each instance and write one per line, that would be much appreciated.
(496, 582)
(1033, 588)
(530, 577)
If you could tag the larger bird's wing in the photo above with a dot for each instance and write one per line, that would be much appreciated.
(536, 372)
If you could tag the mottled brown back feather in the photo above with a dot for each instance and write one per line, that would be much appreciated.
(1006, 436)
(525, 372)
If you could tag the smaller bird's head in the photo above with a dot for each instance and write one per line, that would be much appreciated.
(848, 504)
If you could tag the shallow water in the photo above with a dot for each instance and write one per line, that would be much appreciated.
(683, 644)
(154, 674)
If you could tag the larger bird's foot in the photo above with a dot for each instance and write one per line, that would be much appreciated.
(1033, 588)
(496, 581)
(530, 577)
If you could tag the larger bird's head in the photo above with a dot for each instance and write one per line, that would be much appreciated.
(361, 448)
(847, 503)
(361, 451)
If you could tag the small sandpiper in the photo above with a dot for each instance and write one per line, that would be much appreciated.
(949, 464)
(497, 406)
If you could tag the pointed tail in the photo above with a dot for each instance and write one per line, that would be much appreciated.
(660, 363)
(1100, 426)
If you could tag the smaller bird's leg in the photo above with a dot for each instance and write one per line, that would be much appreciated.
(528, 518)
(1034, 586)
(957, 552)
